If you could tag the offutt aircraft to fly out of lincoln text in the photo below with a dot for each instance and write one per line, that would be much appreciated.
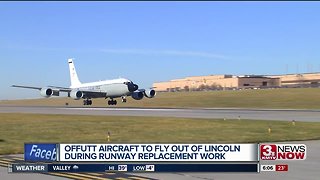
(115, 88)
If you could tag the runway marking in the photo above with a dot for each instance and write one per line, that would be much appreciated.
(88, 176)
(18, 159)
(5, 160)
(9, 160)
(3, 164)
(95, 174)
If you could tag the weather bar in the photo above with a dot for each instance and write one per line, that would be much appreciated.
(41, 168)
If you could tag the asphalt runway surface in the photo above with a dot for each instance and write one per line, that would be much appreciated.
(258, 114)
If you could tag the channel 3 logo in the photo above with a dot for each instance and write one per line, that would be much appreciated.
(268, 152)
(283, 151)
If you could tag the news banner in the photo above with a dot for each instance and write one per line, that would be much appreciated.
(42, 157)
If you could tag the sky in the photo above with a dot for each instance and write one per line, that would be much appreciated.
(150, 42)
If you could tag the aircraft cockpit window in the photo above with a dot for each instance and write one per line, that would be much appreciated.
(128, 82)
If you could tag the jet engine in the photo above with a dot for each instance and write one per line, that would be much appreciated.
(47, 92)
(150, 93)
(75, 94)
(138, 95)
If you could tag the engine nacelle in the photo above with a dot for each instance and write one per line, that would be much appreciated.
(138, 95)
(150, 93)
(46, 92)
(76, 94)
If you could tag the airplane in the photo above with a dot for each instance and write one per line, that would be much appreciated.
(112, 89)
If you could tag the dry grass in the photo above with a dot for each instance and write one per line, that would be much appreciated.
(16, 129)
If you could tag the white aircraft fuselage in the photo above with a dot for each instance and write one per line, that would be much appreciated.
(114, 88)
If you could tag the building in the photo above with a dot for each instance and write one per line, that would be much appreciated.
(217, 82)
(299, 80)
(225, 82)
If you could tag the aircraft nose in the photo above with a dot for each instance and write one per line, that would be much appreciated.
(132, 87)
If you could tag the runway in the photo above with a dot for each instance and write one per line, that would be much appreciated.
(258, 114)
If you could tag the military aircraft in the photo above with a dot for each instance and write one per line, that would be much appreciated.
(115, 88)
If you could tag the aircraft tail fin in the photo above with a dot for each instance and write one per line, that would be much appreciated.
(73, 74)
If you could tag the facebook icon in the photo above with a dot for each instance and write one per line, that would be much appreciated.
(40, 152)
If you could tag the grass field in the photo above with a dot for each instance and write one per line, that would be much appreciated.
(16, 129)
(298, 98)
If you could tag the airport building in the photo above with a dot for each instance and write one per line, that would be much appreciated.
(232, 82)
(299, 80)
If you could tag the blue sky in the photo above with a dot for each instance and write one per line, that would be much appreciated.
(153, 41)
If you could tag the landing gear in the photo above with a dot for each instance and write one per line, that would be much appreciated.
(124, 100)
(112, 102)
(87, 102)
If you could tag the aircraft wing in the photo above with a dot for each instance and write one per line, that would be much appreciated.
(89, 94)
(27, 87)
(62, 89)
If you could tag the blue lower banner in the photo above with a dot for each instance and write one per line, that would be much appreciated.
(134, 168)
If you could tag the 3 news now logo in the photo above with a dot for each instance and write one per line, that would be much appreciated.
(283, 151)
